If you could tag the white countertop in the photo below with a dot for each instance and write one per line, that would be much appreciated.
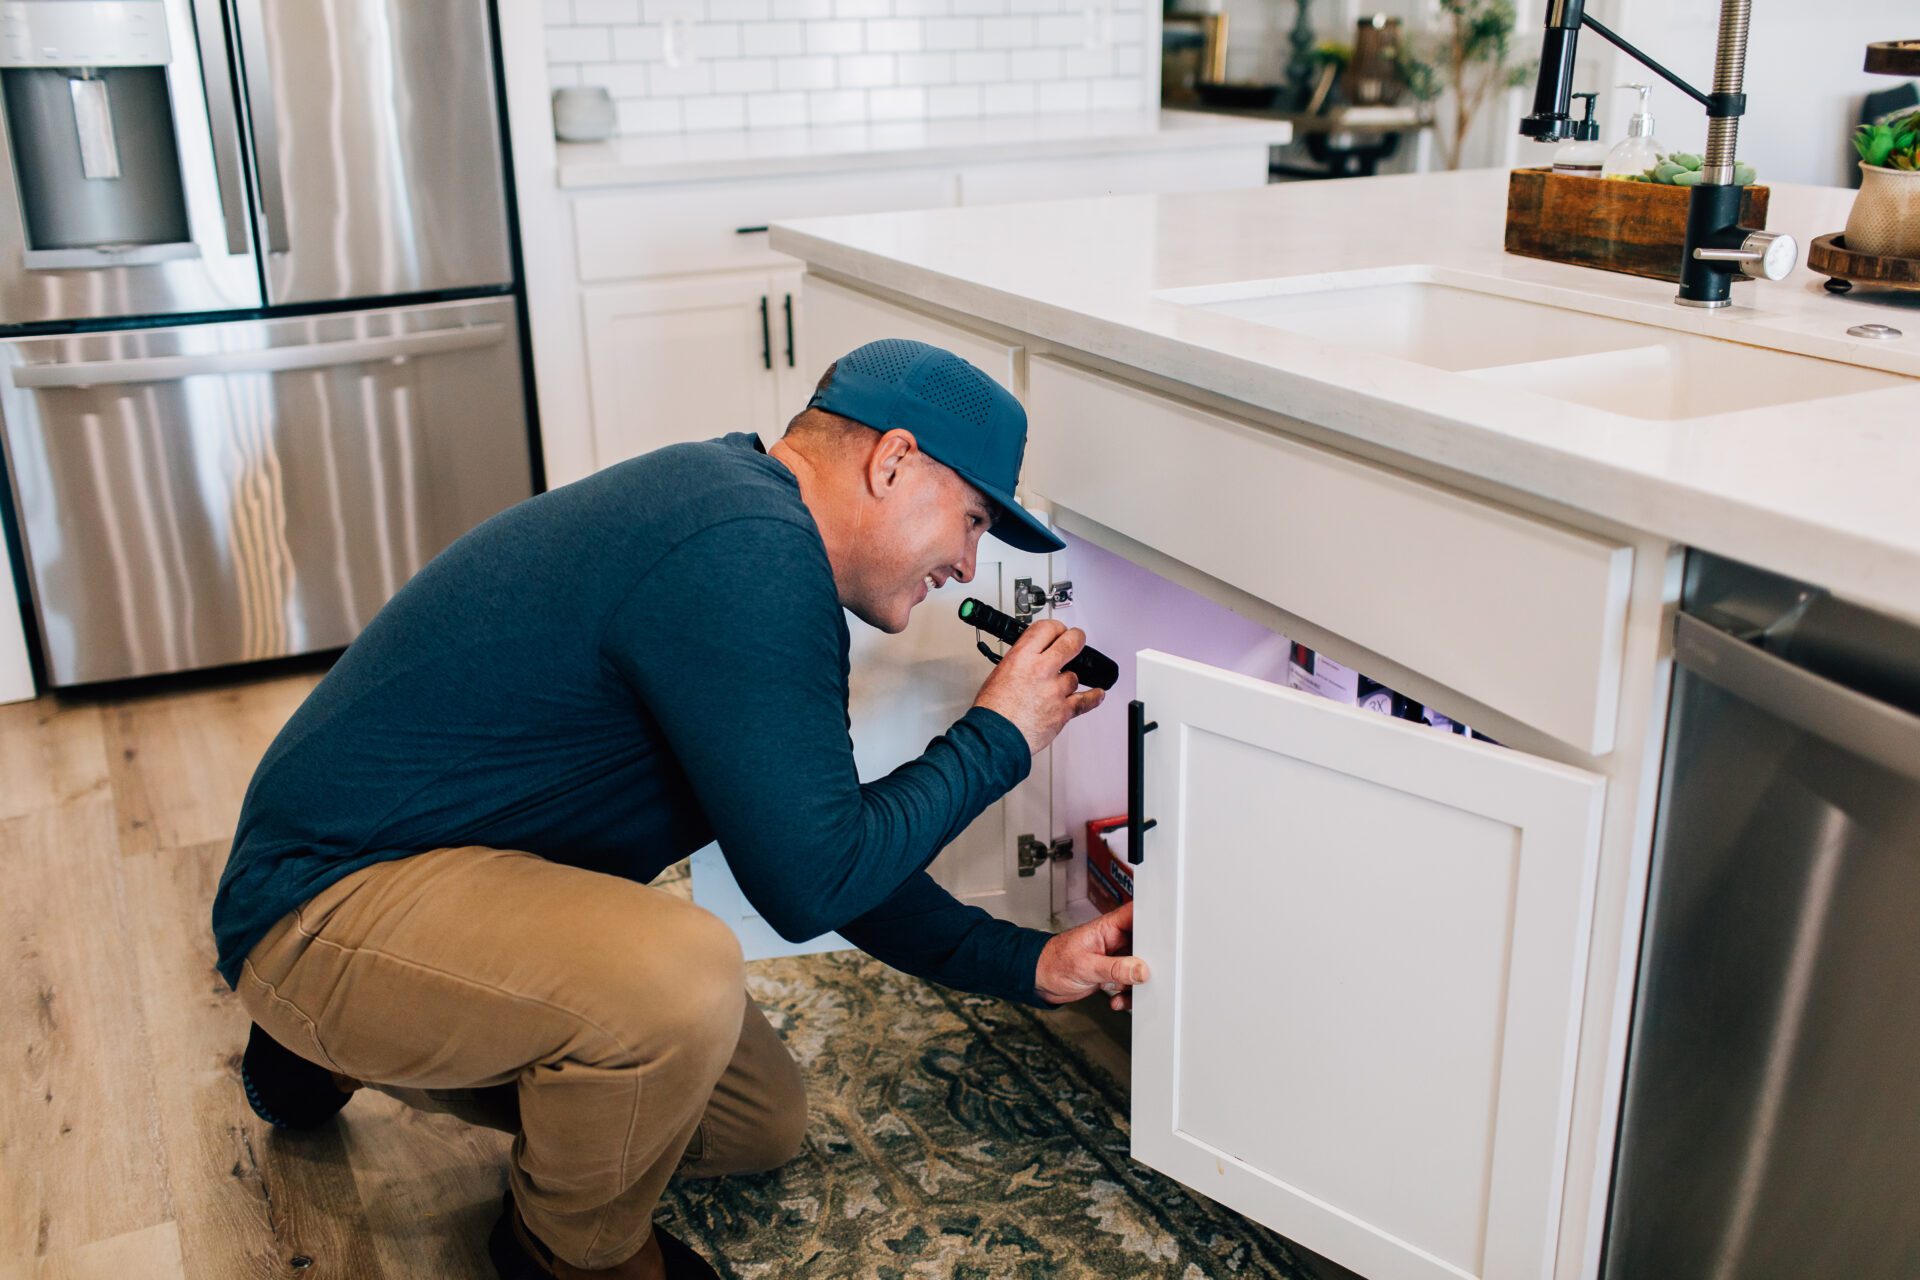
(1827, 491)
(759, 153)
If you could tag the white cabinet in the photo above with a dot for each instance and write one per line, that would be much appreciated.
(1367, 940)
(692, 359)
(906, 690)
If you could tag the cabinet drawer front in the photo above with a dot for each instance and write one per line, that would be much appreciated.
(1522, 615)
(699, 226)
(838, 320)
(1153, 174)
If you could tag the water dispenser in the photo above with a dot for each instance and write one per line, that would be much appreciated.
(90, 120)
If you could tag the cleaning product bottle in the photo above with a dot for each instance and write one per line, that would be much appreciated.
(1638, 152)
(1583, 155)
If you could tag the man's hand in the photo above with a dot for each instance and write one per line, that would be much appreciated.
(1030, 689)
(1098, 955)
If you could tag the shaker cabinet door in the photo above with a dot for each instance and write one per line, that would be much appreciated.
(905, 690)
(1367, 941)
(683, 361)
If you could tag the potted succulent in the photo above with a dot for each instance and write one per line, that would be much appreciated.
(1886, 214)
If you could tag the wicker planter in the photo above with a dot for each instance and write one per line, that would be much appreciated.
(1886, 214)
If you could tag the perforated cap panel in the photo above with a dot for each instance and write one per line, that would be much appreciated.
(888, 359)
(955, 387)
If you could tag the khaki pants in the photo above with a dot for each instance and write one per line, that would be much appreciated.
(603, 1022)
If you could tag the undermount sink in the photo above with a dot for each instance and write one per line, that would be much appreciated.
(1636, 370)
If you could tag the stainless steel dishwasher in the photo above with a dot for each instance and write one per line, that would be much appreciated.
(1772, 1122)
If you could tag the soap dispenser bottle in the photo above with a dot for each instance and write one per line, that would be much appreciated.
(1582, 156)
(1638, 152)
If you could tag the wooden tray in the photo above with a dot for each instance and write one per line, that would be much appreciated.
(1637, 228)
(1830, 256)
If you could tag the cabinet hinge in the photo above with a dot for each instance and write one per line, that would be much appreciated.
(1029, 599)
(1035, 853)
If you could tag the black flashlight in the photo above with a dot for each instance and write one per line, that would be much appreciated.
(1090, 666)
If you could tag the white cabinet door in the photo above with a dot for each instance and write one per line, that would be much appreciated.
(906, 690)
(683, 361)
(1367, 942)
(840, 319)
(794, 375)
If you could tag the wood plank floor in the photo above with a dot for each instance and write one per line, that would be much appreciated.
(126, 1148)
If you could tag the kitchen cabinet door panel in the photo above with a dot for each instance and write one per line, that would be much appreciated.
(838, 320)
(904, 691)
(1367, 941)
(675, 362)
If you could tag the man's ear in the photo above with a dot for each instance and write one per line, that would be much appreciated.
(888, 460)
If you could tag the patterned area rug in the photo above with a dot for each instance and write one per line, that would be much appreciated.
(952, 1136)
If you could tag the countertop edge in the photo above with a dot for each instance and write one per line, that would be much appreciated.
(1870, 572)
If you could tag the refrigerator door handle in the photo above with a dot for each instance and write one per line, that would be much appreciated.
(319, 355)
(216, 78)
(256, 69)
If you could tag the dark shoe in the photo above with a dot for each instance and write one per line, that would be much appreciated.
(284, 1089)
(518, 1254)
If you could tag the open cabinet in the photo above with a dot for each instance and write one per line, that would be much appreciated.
(1368, 938)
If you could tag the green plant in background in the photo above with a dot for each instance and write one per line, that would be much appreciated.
(1683, 169)
(1891, 144)
(1469, 57)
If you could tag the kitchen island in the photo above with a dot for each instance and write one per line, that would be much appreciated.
(1393, 969)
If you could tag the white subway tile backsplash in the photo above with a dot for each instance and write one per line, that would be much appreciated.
(953, 102)
(835, 37)
(763, 39)
(1006, 33)
(579, 44)
(650, 115)
(1007, 100)
(715, 40)
(866, 71)
(743, 75)
(683, 81)
(1063, 29)
(979, 68)
(953, 33)
(636, 44)
(1089, 64)
(776, 110)
(704, 115)
(1064, 95)
(894, 35)
(1118, 95)
(607, 12)
(896, 104)
(844, 106)
(804, 73)
(768, 64)
(925, 68)
(621, 79)
(1036, 64)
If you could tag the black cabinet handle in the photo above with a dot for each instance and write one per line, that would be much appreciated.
(1138, 727)
(750, 231)
(766, 335)
(788, 304)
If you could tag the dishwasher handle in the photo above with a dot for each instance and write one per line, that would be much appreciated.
(1861, 725)
(317, 355)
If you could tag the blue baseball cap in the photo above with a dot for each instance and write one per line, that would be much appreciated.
(960, 417)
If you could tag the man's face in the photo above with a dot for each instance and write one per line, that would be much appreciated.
(926, 533)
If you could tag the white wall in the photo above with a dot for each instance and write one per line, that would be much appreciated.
(677, 66)
(1804, 81)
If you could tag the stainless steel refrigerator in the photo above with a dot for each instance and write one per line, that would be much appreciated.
(259, 340)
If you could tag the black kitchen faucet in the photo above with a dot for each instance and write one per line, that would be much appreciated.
(1717, 246)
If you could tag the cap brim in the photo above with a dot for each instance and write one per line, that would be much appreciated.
(1017, 527)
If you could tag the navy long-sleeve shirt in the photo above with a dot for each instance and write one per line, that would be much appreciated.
(609, 676)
